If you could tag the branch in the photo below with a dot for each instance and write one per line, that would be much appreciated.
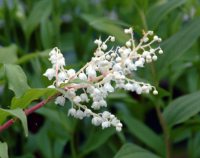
(27, 112)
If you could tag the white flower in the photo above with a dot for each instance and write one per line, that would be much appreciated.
(71, 73)
(96, 121)
(60, 100)
(50, 73)
(108, 87)
(82, 76)
(105, 124)
(108, 70)
(84, 97)
(77, 99)
(72, 112)
(62, 76)
(79, 114)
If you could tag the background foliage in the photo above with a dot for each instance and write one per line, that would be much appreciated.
(29, 29)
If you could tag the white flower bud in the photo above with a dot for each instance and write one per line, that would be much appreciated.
(72, 112)
(104, 46)
(108, 87)
(154, 57)
(80, 114)
(77, 99)
(82, 76)
(96, 121)
(160, 51)
(60, 100)
(105, 124)
(84, 97)
(71, 72)
(156, 38)
(112, 39)
(62, 76)
(155, 92)
(50, 73)
(118, 59)
(128, 44)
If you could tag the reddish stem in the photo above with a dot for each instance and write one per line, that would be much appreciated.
(27, 112)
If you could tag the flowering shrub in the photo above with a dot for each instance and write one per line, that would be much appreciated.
(108, 70)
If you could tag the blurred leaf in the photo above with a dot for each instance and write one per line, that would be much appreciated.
(96, 139)
(3, 150)
(33, 55)
(40, 11)
(8, 55)
(46, 32)
(182, 109)
(19, 113)
(193, 145)
(134, 151)
(17, 80)
(106, 25)
(178, 44)
(31, 95)
(160, 10)
(59, 117)
(144, 133)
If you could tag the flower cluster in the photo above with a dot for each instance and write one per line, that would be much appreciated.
(108, 70)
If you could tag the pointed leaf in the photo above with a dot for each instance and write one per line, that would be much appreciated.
(144, 133)
(3, 150)
(134, 151)
(31, 95)
(159, 11)
(182, 109)
(19, 113)
(17, 80)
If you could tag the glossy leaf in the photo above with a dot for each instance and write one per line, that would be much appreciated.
(144, 133)
(182, 109)
(31, 95)
(178, 44)
(160, 10)
(17, 80)
(106, 25)
(3, 150)
(134, 151)
(19, 113)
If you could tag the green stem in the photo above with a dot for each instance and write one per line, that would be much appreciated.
(161, 118)
(72, 146)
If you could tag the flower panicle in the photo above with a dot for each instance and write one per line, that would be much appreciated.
(109, 69)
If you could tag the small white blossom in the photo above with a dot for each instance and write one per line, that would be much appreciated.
(60, 100)
(108, 70)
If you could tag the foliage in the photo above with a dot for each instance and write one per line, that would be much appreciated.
(154, 126)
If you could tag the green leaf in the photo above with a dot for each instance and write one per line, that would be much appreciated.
(8, 55)
(160, 10)
(3, 150)
(19, 113)
(40, 11)
(182, 109)
(17, 80)
(31, 95)
(134, 151)
(107, 26)
(178, 44)
(93, 143)
(33, 55)
(46, 32)
(144, 133)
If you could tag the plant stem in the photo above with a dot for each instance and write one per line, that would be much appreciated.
(165, 132)
(27, 112)
(161, 119)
